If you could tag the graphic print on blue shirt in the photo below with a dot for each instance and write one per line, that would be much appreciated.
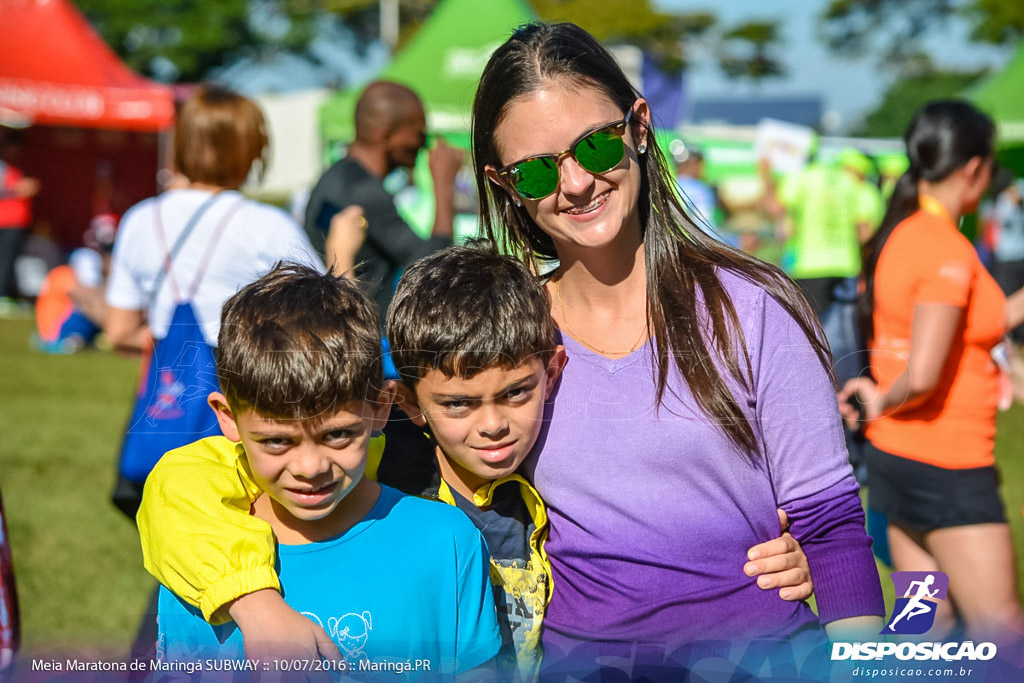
(408, 582)
(519, 586)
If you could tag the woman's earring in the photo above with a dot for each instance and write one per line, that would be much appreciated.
(641, 148)
(517, 201)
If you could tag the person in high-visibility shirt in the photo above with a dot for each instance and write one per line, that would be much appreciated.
(821, 205)
(869, 207)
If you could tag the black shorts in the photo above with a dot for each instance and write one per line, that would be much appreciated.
(924, 497)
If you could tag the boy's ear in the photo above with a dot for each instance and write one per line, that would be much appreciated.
(225, 418)
(553, 370)
(406, 399)
(382, 406)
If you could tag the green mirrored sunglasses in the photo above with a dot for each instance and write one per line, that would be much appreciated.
(598, 151)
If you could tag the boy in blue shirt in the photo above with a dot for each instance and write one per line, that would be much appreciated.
(399, 583)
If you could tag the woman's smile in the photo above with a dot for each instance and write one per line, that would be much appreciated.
(590, 209)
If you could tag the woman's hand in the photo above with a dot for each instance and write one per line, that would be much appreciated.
(863, 392)
(782, 564)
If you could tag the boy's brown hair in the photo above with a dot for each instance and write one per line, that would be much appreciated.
(462, 310)
(297, 344)
(219, 136)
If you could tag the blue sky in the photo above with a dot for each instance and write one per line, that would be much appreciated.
(850, 88)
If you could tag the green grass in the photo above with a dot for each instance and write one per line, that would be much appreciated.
(1009, 452)
(77, 559)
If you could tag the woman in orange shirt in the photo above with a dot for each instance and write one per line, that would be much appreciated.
(932, 314)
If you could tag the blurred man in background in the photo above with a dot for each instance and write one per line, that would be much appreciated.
(391, 129)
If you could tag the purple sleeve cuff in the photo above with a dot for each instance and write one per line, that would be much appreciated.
(830, 528)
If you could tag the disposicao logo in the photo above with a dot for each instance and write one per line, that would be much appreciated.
(914, 613)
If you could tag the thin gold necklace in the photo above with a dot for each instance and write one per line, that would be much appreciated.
(577, 337)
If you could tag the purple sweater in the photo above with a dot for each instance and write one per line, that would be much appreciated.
(652, 512)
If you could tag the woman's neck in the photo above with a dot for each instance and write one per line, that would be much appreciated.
(948, 193)
(610, 280)
(599, 294)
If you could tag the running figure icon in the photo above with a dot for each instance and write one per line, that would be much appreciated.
(916, 605)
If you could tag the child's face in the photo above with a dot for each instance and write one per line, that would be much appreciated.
(486, 424)
(307, 467)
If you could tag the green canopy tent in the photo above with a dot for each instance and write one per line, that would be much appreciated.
(442, 63)
(1001, 96)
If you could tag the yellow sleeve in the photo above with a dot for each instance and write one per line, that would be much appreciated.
(198, 536)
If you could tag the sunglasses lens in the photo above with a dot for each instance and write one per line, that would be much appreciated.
(535, 178)
(600, 151)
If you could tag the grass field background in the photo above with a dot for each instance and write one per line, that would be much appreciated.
(77, 560)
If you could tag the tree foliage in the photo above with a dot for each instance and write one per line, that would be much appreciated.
(754, 58)
(893, 29)
(182, 40)
(669, 38)
(996, 21)
(363, 16)
(674, 40)
(908, 94)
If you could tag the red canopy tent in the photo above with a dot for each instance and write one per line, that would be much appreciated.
(94, 137)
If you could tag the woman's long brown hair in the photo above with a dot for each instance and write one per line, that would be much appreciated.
(682, 261)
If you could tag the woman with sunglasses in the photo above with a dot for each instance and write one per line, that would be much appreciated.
(697, 396)
(932, 314)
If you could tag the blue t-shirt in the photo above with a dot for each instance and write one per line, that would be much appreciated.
(408, 583)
